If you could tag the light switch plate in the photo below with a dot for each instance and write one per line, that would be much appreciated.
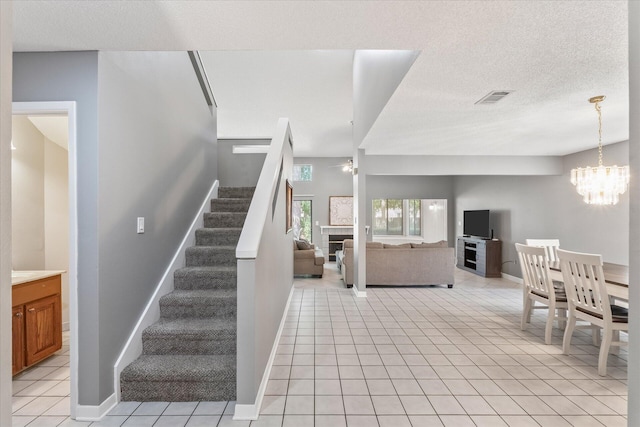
(140, 225)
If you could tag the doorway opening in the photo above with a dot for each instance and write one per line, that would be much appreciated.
(302, 220)
(44, 228)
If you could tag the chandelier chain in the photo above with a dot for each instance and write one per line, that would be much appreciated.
(597, 105)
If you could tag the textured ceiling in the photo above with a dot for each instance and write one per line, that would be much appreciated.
(553, 55)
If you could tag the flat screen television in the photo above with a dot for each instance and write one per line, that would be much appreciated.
(476, 223)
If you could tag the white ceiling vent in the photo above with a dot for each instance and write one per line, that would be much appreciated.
(494, 96)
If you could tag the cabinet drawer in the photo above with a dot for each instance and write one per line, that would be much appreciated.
(31, 291)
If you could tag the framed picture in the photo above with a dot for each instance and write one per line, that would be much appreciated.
(340, 210)
(289, 208)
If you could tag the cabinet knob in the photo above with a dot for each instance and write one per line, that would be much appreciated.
(31, 310)
(19, 314)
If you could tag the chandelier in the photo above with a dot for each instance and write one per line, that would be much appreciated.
(601, 185)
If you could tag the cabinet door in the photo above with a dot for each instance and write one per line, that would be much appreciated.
(17, 336)
(43, 328)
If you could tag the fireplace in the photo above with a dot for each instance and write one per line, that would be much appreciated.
(332, 237)
(335, 244)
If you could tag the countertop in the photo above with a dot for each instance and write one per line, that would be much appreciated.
(24, 276)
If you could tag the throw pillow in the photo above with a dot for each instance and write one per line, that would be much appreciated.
(304, 244)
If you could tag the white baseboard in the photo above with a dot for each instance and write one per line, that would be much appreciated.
(133, 348)
(512, 278)
(251, 412)
(96, 413)
(357, 293)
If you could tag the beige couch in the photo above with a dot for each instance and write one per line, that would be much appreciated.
(407, 264)
(307, 261)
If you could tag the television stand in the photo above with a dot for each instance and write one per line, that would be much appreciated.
(480, 256)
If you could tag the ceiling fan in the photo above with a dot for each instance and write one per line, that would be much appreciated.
(346, 167)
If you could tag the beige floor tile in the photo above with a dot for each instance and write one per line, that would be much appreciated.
(488, 421)
(300, 387)
(330, 421)
(394, 421)
(362, 421)
(417, 405)
(358, 405)
(299, 405)
(329, 405)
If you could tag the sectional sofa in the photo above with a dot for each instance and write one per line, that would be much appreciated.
(402, 265)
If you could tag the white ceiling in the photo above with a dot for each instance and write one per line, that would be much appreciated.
(294, 58)
(53, 127)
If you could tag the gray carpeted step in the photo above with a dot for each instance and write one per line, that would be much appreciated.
(202, 256)
(224, 219)
(190, 336)
(236, 192)
(183, 378)
(217, 277)
(199, 303)
(230, 205)
(190, 353)
(218, 236)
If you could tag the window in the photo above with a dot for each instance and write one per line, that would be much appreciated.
(302, 173)
(302, 219)
(415, 220)
(387, 216)
(397, 217)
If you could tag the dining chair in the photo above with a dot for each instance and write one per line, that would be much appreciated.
(550, 247)
(589, 301)
(539, 288)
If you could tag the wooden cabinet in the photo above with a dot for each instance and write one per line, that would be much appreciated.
(479, 256)
(37, 321)
(17, 335)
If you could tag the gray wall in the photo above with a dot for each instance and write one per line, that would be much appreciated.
(6, 40)
(328, 180)
(157, 159)
(265, 270)
(548, 207)
(239, 170)
(633, 370)
(412, 187)
(153, 155)
(73, 76)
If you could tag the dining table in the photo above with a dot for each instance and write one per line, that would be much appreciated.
(616, 277)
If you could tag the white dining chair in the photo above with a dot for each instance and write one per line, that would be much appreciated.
(550, 247)
(539, 288)
(589, 301)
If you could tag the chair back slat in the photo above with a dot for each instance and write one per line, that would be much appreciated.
(584, 282)
(550, 247)
(535, 269)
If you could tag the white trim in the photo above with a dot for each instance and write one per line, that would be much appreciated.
(243, 138)
(96, 413)
(251, 412)
(512, 278)
(250, 149)
(68, 107)
(267, 185)
(133, 347)
(357, 293)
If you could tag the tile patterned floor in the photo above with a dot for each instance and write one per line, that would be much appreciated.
(401, 357)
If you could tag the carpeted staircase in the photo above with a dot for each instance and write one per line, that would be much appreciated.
(190, 353)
